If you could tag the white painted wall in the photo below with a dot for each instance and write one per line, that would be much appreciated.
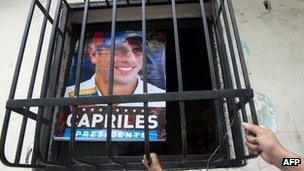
(274, 40)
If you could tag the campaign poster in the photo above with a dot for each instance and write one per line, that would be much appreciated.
(127, 118)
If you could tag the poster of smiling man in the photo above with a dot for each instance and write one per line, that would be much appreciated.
(127, 118)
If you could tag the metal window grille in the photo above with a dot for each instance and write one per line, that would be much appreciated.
(230, 87)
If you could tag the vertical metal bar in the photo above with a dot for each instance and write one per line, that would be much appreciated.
(72, 144)
(243, 65)
(108, 3)
(44, 88)
(32, 82)
(145, 88)
(72, 40)
(110, 88)
(212, 70)
(242, 60)
(58, 56)
(234, 64)
(77, 81)
(111, 82)
(207, 40)
(14, 82)
(66, 4)
(180, 85)
(224, 56)
(21, 50)
(218, 84)
(55, 70)
(55, 74)
(238, 146)
(238, 42)
(220, 47)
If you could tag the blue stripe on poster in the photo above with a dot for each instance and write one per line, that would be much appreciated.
(118, 135)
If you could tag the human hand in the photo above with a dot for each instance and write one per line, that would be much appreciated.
(261, 140)
(154, 165)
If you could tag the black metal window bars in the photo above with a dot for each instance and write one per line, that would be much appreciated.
(230, 86)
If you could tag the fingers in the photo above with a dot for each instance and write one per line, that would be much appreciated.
(145, 161)
(153, 155)
(252, 128)
(154, 160)
(253, 152)
(252, 139)
(262, 126)
(254, 147)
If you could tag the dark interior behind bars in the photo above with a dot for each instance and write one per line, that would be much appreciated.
(201, 117)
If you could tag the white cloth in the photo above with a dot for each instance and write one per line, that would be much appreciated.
(88, 88)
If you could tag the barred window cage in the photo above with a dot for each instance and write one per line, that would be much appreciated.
(205, 68)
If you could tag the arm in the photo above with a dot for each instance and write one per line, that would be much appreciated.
(261, 140)
(289, 154)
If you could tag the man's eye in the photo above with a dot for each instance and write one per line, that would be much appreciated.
(120, 50)
(137, 50)
(104, 53)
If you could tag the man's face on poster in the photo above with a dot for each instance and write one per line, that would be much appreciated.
(128, 60)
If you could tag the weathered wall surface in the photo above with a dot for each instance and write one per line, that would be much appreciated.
(274, 48)
(275, 41)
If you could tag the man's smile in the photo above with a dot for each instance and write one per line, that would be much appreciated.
(124, 68)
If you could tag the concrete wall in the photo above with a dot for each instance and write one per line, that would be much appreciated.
(275, 40)
(273, 44)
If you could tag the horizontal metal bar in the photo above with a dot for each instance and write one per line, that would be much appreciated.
(171, 162)
(103, 5)
(169, 96)
(31, 115)
(134, 159)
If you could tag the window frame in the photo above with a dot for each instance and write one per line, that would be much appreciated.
(49, 101)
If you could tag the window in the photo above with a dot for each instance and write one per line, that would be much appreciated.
(207, 91)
